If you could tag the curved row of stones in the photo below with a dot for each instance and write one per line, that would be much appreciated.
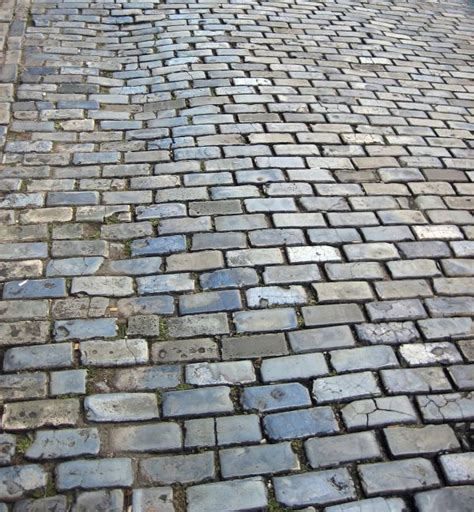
(236, 256)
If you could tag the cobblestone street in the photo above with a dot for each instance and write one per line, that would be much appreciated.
(236, 256)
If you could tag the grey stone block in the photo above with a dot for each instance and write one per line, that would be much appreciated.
(35, 289)
(56, 503)
(205, 374)
(113, 407)
(178, 468)
(154, 499)
(459, 498)
(345, 387)
(264, 321)
(114, 353)
(428, 440)
(415, 380)
(112, 501)
(322, 339)
(458, 468)
(66, 443)
(364, 358)
(146, 438)
(314, 488)
(371, 505)
(7, 448)
(390, 333)
(147, 378)
(304, 366)
(200, 433)
(335, 450)
(248, 347)
(40, 413)
(97, 473)
(238, 429)
(301, 423)
(229, 278)
(38, 356)
(231, 496)
(405, 475)
(85, 329)
(197, 402)
(275, 397)
(15, 481)
(443, 407)
(258, 460)
(379, 412)
(208, 302)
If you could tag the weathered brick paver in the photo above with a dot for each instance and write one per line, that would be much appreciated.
(236, 255)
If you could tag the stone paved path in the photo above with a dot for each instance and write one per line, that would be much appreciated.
(236, 256)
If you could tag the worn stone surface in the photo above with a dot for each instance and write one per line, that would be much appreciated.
(314, 488)
(331, 451)
(15, 481)
(121, 407)
(178, 468)
(66, 443)
(409, 474)
(87, 474)
(236, 244)
(233, 495)
(457, 498)
(257, 460)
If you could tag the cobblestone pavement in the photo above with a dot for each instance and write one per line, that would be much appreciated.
(236, 256)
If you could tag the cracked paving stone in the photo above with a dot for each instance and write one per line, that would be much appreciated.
(379, 412)
(415, 380)
(345, 387)
(442, 407)
(392, 333)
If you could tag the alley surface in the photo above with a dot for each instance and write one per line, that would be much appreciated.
(236, 256)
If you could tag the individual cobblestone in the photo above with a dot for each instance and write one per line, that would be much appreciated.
(314, 488)
(332, 451)
(235, 495)
(409, 474)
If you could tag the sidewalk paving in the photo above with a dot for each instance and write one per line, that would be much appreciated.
(236, 256)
